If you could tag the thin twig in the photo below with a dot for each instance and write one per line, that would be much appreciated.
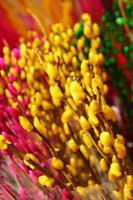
(37, 21)
(129, 32)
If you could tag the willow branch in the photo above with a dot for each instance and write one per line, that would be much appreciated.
(129, 32)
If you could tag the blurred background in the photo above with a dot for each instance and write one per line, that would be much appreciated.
(16, 17)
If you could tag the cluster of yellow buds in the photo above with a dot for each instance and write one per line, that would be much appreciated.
(61, 85)
(4, 143)
(30, 157)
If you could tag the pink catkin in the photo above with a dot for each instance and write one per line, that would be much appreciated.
(11, 78)
(18, 69)
(22, 193)
(31, 145)
(9, 137)
(16, 53)
(12, 89)
(65, 194)
(12, 112)
(2, 63)
(34, 174)
(26, 101)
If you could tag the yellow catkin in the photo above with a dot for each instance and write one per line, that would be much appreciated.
(24, 122)
(86, 17)
(120, 149)
(23, 49)
(97, 85)
(106, 138)
(117, 194)
(38, 98)
(94, 106)
(93, 119)
(107, 150)
(66, 129)
(114, 171)
(72, 170)
(57, 40)
(46, 45)
(67, 115)
(95, 29)
(87, 79)
(76, 27)
(3, 143)
(84, 151)
(72, 145)
(84, 123)
(52, 71)
(103, 164)
(87, 30)
(47, 105)
(82, 191)
(6, 50)
(57, 163)
(84, 67)
(34, 110)
(77, 92)
(127, 193)
(73, 161)
(54, 128)
(28, 158)
(109, 114)
(87, 140)
(56, 94)
(46, 181)
(39, 126)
